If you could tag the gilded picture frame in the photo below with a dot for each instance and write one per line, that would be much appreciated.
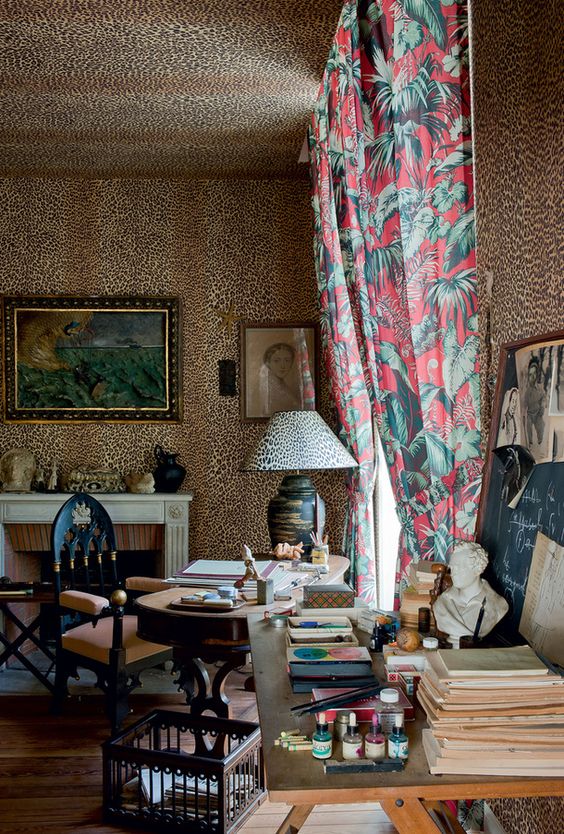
(73, 359)
(279, 368)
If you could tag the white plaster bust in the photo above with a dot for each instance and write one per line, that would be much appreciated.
(17, 468)
(458, 608)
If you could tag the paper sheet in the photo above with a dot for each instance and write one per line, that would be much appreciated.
(542, 619)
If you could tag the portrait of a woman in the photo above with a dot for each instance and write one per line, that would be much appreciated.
(278, 370)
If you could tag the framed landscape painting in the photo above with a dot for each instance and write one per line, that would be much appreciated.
(72, 359)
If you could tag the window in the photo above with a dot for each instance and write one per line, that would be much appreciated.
(387, 529)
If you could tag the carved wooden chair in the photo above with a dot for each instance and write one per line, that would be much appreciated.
(93, 632)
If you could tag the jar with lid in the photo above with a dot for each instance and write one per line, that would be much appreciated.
(341, 724)
(390, 711)
(398, 744)
(322, 740)
(375, 740)
(430, 644)
(352, 741)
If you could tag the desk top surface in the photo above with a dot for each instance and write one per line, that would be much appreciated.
(159, 602)
(299, 779)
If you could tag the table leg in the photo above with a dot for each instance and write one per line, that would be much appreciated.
(413, 816)
(12, 648)
(201, 693)
(294, 820)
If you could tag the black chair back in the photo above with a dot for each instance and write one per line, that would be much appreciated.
(84, 547)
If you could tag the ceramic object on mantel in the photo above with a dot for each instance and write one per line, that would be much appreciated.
(169, 474)
(17, 468)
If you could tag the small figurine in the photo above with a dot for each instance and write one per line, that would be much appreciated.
(251, 571)
(52, 482)
(283, 550)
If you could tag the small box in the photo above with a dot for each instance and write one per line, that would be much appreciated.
(178, 772)
(328, 596)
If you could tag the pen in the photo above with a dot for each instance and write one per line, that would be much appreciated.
(476, 634)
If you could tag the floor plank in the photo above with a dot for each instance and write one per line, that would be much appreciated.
(51, 767)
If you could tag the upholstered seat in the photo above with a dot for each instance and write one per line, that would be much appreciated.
(96, 643)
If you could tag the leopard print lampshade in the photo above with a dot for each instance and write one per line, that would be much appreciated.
(297, 440)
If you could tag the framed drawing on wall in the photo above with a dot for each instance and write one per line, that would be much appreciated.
(279, 368)
(72, 359)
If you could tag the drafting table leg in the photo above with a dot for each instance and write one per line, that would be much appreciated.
(295, 819)
(413, 816)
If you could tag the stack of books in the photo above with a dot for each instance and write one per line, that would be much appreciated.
(418, 593)
(497, 712)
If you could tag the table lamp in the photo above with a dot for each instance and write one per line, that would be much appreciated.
(297, 440)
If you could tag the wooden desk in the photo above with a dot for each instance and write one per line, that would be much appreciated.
(199, 637)
(408, 798)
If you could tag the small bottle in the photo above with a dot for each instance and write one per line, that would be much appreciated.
(398, 744)
(341, 724)
(375, 740)
(352, 742)
(322, 740)
(390, 711)
(372, 646)
(430, 644)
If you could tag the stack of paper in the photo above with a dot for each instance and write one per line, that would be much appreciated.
(212, 573)
(492, 711)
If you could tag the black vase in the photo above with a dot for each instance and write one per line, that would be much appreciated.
(169, 474)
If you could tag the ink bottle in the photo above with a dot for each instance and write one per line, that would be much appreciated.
(373, 640)
(322, 740)
(430, 644)
(375, 740)
(390, 711)
(352, 741)
(398, 744)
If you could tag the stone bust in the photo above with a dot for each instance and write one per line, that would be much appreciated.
(457, 609)
(17, 468)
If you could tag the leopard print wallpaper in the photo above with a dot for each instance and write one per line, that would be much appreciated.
(212, 243)
(165, 89)
(516, 71)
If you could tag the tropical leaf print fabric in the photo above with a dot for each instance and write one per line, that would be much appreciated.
(392, 190)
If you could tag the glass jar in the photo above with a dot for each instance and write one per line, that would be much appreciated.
(390, 711)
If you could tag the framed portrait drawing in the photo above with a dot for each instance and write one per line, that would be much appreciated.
(72, 359)
(279, 368)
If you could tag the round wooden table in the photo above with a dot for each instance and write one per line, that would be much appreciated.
(200, 637)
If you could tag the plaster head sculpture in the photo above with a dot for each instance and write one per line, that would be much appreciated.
(470, 607)
(17, 469)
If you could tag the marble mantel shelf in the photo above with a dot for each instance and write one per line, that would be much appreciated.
(168, 509)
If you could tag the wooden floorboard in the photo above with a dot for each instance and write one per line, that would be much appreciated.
(51, 770)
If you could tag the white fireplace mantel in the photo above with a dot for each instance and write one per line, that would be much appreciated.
(168, 509)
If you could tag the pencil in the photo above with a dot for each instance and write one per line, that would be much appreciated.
(476, 634)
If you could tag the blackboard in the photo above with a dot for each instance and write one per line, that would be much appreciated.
(509, 535)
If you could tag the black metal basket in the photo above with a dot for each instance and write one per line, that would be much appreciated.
(172, 770)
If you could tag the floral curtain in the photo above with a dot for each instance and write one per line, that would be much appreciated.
(392, 193)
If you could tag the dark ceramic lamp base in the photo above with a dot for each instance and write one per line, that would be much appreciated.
(296, 512)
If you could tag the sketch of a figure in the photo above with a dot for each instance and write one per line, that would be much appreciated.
(551, 598)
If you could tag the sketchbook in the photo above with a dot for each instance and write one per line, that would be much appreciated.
(211, 573)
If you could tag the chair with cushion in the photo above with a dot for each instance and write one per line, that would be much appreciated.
(92, 632)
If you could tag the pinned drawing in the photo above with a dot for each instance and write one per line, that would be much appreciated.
(542, 620)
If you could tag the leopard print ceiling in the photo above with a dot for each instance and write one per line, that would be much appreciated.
(161, 89)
